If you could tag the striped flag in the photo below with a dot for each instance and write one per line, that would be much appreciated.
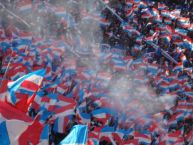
(30, 82)
(25, 6)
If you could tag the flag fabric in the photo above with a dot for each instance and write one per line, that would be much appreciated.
(60, 124)
(25, 6)
(30, 82)
(65, 110)
(60, 11)
(83, 118)
(77, 136)
(12, 131)
(44, 135)
(182, 32)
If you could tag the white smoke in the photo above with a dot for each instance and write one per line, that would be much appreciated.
(141, 99)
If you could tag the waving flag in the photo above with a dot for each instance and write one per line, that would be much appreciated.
(30, 82)
(146, 14)
(166, 38)
(155, 12)
(178, 67)
(102, 114)
(161, 6)
(184, 22)
(188, 43)
(25, 36)
(25, 6)
(77, 136)
(165, 13)
(60, 124)
(44, 135)
(182, 32)
(107, 134)
(65, 111)
(93, 138)
(143, 137)
(10, 130)
(152, 69)
(103, 21)
(60, 11)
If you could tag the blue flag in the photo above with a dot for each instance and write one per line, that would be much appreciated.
(77, 136)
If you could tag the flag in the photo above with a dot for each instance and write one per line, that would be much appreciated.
(103, 21)
(102, 114)
(25, 6)
(30, 82)
(142, 4)
(60, 12)
(168, 21)
(93, 138)
(10, 131)
(82, 117)
(161, 6)
(152, 69)
(107, 134)
(188, 43)
(165, 13)
(60, 124)
(143, 137)
(182, 32)
(179, 67)
(155, 12)
(166, 38)
(44, 135)
(25, 36)
(184, 22)
(65, 111)
(129, 3)
(130, 30)
(146, 14)
(77, 136)
(104, 76)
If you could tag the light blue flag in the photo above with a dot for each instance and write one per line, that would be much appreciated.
(77, 136)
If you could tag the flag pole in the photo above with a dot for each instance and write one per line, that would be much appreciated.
(164, 53)
(112, 11)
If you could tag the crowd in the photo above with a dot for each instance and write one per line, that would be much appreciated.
(146, 54)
